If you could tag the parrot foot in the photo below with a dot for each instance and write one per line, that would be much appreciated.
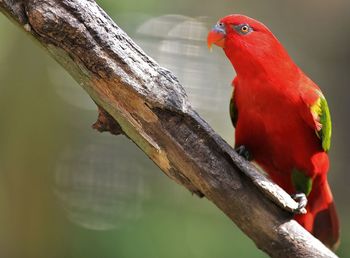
(301, 199)
(243, 151)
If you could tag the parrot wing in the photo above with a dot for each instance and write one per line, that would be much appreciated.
(324, 118)
(233, 110)
(319, 116)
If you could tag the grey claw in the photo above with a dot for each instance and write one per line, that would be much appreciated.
(301, 199)
(243, 151)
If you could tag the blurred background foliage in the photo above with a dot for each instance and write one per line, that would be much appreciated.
(68, 191)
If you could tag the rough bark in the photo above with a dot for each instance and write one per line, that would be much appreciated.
(147, 103)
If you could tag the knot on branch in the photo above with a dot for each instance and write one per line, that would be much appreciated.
(106, 123)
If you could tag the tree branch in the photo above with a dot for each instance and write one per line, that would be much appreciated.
(146, 102)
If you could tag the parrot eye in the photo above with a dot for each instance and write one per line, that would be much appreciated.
(243, 29)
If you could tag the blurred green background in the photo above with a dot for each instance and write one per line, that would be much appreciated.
(68, 191)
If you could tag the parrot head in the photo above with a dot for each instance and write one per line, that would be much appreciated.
(246, 42)
(239, 31)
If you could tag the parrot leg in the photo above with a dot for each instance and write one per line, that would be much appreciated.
(301, 199)
(243, 151)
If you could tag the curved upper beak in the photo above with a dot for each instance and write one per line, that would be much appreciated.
(217, 36)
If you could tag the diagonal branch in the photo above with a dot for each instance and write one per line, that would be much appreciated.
(146, 102)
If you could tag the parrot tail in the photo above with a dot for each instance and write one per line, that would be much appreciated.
(321, 218)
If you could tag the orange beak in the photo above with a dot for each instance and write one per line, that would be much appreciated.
(217, 36)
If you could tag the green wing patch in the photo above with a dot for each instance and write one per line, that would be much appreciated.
(302, 183)
(321, 112)
(233, 111)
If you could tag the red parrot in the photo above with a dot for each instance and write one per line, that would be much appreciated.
(281, 119)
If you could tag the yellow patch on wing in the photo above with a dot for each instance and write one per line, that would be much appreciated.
(316, 111)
